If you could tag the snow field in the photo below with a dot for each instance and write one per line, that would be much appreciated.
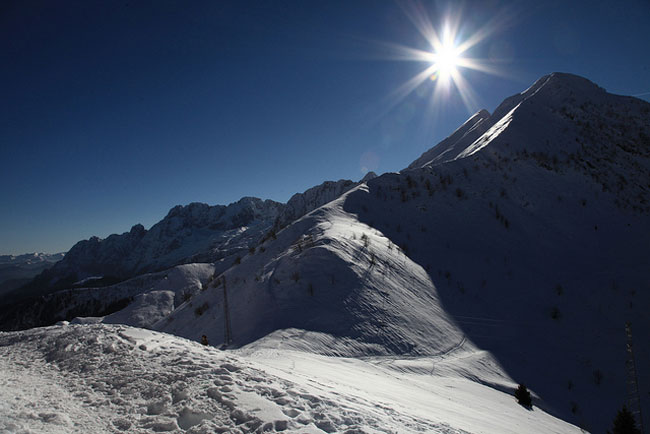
(113, 378)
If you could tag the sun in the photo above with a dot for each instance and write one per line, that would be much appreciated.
(446, 56)
(445, 60)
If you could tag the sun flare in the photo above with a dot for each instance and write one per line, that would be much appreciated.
(447, 57)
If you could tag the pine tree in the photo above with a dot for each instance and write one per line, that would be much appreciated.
(523, 396)
(624, 423)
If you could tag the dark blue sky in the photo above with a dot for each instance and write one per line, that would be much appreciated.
(113, 112)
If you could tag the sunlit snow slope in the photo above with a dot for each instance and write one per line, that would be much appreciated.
(326, 273)
(107, 379)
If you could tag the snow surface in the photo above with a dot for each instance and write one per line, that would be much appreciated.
(113, 378)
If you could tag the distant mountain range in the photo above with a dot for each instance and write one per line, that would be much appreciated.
(17, 270)
(522, 238)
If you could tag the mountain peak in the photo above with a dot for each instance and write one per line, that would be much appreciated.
(571, 79)
(368, 176)
(138, 230)
(568, 101)
(481, 114)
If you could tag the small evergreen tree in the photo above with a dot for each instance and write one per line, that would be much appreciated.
(624, 423)
(523, 396)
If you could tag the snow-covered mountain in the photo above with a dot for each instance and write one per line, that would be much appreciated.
(535, 237)
(193, 233)
(17, 270)
(30, 259)
(196, 233)
(530, 243)
(514, 251)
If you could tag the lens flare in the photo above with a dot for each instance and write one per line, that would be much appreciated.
(447, 56)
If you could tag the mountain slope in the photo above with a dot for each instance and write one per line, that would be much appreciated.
(330, 274)
(302, 203)
(535, 236)
(139, 301)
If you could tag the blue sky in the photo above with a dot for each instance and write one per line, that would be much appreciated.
(113, 112)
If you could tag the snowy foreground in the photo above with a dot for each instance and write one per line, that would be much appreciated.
(112, 378)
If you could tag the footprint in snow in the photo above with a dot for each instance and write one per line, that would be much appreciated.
(230, 367)
(122, 424)
(291, 412)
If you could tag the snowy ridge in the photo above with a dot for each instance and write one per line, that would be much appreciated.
(302, 203)
(326, 273)
(481, 128)
(449, 148)
(478, 130)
